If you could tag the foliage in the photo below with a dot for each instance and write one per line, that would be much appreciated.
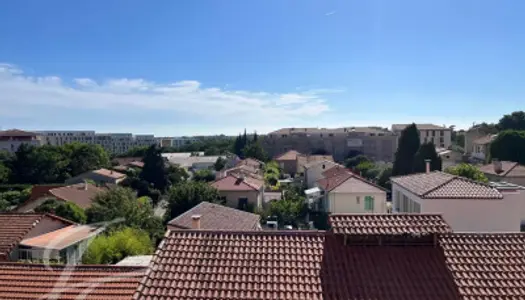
(5, 173)
(509, 145)
(485, 128)
(177, 174)
(154, 170)
(406, 151)
(204, 175)
(514, 121)
(238, 146)
(64, 209)
(468, 171)
(220, 163)
(139, 151)
(427, 151)
(254, 150)
(117, 245)
(363, 167)
(458, 139)
(290, 210)
(122, 203)
(353, 153)
(186, 195)
(320, 151)
(352, 162)
(320, 220)
(383, 179)
(217, 145)
(272, 173)
(85, 157)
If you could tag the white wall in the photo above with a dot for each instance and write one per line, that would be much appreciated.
(315, 172)
(344, 198)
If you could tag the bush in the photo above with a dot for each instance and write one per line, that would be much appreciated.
(66, 210)
(115, 246)
(204, 175)
(467, 171)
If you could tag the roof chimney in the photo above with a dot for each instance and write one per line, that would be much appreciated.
(498, 168)
(85, 185)
(196, 222)
(427, 166)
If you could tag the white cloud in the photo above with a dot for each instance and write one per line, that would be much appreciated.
(330, 13)
(186, 97)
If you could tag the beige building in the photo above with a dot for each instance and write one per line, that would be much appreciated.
(449, 158)
(314, 171)
(506, 171)
(441, 136)
(374, 142)
(481, 147)
(11, 139)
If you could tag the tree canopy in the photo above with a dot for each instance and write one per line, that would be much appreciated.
(352, 162)
(509, 145)
(513, 121)
(467, 171)
(407, 148)
(186, 195)
(64, 209)
(220, 163)
(204, 175)
(427, 151)
(254, 150)
(154, 170)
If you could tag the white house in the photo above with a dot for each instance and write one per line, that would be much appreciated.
(314, 171)
(465, 204)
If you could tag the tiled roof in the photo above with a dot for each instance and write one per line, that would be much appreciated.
(236, 265)
(218, 217)
(343, 130)
(38, 191)
(397, 127)
(305, 160)
(14, 227)
(486, 266)
(63, 237)
(288, 155)
(77, 193)
(337, 175)
(251, 162)
(16, 132)
(235, 182)
(388, 224)
(138, 164)
(509, 168)
(34, 281)
(109, 173)
(439, 185)
(485, 139)
(330, 183)
(336, 170)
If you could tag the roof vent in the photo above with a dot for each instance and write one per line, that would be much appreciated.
(498, 167)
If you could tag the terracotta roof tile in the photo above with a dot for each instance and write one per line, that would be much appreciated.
(388, 224)
(252, 162)
(486, 266)
(33, 281)
(77, 193)
(219, 217)
(288, 155)
(509, 168)
(439, 185)
(338, 175)
(109, 173)
(336, 170)
(124, 161)
(234, 182)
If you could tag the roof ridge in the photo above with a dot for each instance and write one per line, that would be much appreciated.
(76, 267)
(386, 214)
(250, 232)
(438, 186)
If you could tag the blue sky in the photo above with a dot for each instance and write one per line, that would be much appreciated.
(208, 67)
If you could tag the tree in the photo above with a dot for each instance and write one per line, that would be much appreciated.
(154, 170)
(5, 173)
(408, 146)
(514, 121)
(363, 168)
(121, 203)
(290, 210)
(238, 146)
(467, 171)
(139, 151)
(220, 163)
(356, 160)
(186, 195)
(254, 150)
(85, 157)
(255, 137)
(427, 151)
(320, 151)
(14, 198)
(177, 174)
(204, 175)
(509, 145)
(64, 209)
(116, 245)
(383, 179)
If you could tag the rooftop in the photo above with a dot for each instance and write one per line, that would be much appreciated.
(388, 224)
(440, 185)
(62, 238)
(218, 217)
(136, 261)
(399, 127)
(17, 133)
(508, 169)
(237, 182)
(288, 155)
(82, 194)
(485, 139)
(109, 173)
(337, 175)
(34, 281)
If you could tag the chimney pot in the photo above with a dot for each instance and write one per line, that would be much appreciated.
(427, 165)
(498, 168)
(196, 221)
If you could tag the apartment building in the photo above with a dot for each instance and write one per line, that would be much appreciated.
(175, 142)
(112, 142)
(374, 142)
(11, 139)
(441, 136)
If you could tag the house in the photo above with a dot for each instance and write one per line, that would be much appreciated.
(250, 162)
(481, 147)
(240, 191)
(507, 171)
(65, 245)
(82, 194)
(125, 161)
(15, 227)
(440, 136)
(466, 205)
(345, 192)
(288, 161)
(100, 176)
(449, 157)
(11, 139)
(213, 216)
(195, 162)
(306, 160)
(51, 281)
(314, 171)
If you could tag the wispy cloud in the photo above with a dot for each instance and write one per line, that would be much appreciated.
(188, 98)
(330, 13)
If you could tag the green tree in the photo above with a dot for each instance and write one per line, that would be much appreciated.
(514, 121)
(116, 245)
(85, 157)
(467, 171)
(238, 146)
(204, 175)
(408, 146)
(177, 174)
(290, 210)
(154, 170)
(352, 162)
(364, 167)
(186, 195)
(255, 137)
(5, 173)
(15, 198)
(383, 179)
(64, 209)
(139, 151)
(220, 163)
(254, 150)
(509, 145)
(427, 151)
(121, 203)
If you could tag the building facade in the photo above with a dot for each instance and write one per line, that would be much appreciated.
(175, 142)
(376, 143)
(440, 136)
(10, 140)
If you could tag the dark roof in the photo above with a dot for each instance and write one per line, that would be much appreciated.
(486, 266)
(440, 185)
(15, 226)
(388, 224)
(509, 169)
(39, 191)
(16, 132)
(35, 281)
(219, 217)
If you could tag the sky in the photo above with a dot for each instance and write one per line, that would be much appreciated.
(206, 67)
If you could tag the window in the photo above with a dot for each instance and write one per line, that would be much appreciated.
(433, 133)
(324, 166)
(369, 203)
(441, 133)
(223, 199)
(243, 203)
(357, 200)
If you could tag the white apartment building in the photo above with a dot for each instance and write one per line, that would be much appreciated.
(441, 136)
(175, 142)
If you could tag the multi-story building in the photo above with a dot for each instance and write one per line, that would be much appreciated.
(441, 136)
(175, 142)
(10, 140)
(374, 142)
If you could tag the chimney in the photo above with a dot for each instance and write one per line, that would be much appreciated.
(498, 168)
(85, 185)
(427, 166)
(196, 222)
